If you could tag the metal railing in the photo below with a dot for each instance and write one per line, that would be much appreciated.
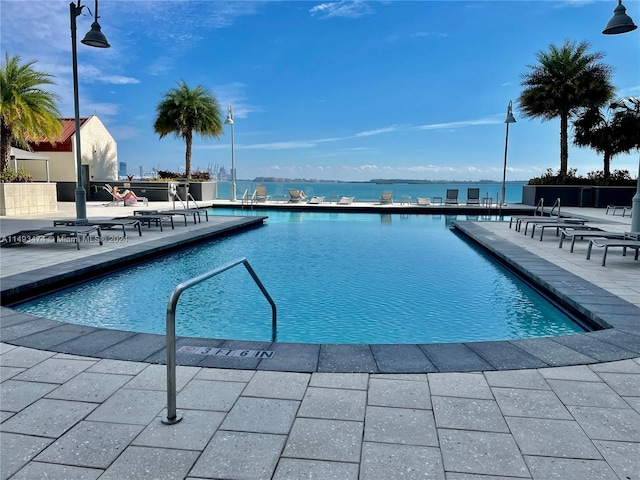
(172, 417)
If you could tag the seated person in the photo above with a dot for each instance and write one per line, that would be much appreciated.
(127, 195)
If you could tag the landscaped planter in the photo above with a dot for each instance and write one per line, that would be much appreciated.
(577, 195)
(27, 198)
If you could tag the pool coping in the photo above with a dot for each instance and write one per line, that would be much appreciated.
(617, 342)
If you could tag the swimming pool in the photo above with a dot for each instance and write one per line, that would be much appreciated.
(336, 278)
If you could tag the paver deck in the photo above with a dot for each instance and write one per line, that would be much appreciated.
(72, 416)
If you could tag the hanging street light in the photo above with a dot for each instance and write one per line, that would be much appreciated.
(620, 22)
(510, 119)
(229, 121)
(94, 38)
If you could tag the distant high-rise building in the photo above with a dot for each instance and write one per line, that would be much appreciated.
(122, 169)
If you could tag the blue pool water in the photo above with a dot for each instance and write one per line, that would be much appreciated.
(335, 277)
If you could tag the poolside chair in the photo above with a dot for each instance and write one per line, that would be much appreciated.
(118, 197)
(316, 200)
(452, 197)
(345, 201)
(607, 243)
(386, 198)
(473, 196)
(423, 201)
(296, 196)
(260, 193)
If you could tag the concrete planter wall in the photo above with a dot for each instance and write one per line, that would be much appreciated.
(27, 198)
(578, 195)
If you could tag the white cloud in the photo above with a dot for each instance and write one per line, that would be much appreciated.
(342, 8)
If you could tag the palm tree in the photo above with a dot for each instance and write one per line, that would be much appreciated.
(28, 111)
(566, 80)
(626, 121)
(183, 111)
(595, 129)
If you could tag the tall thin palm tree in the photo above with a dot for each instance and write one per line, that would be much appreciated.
(28, 111)
(566, 80)
(183, 111)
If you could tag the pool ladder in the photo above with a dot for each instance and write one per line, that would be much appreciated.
(172, 416)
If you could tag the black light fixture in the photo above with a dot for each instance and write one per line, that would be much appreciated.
(620, 22)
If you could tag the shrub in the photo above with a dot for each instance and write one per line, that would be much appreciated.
(197, 176)
(9, 175)
(617, 178)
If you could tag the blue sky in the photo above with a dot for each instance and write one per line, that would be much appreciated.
(346, 90)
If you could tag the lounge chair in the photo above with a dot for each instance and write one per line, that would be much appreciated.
(473, 196)
(345, 201)
(613, 209)
(452, 197)
(607, 243)
(386, 198)
(316, 200)
(423, 201)
(573, 234)
(260, 193)
(296, 196)
(73, 231)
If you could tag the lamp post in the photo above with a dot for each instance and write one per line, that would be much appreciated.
(622, 23)
(229, 121)
(94, 38)
(509, 119)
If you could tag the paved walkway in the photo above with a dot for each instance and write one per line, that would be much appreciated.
(73, 417)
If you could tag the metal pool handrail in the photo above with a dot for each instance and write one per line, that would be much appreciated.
(172, 417)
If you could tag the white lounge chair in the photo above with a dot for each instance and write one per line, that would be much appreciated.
(345, 201)
(316, 200)
(423, 201)
(386, 197)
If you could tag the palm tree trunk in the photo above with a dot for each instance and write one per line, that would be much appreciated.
(607, 167)
(5, 148)
(564, 144)
(187, 159)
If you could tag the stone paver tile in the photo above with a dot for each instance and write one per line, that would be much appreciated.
(137, 463)
(400, 461)
(399, 393)
(355, 381)
(621, 424)
(622, 457)
(335, 440)
(575, 372)
(209, 395)
(24, 357)
(127, 405)
(623, 383)
(468, 385)
(289, 468)
(5, 347)
(118, 367)
(16, 395)
(552, 438)
(588, 394)
(529, 379)
(285, 385)
(623, 366)
(333, 403)
(549, 468)
(22, 447)
(421, 377)
(487, 453)
(90, 444)
(90, 387)
(5, 415)
(400, 425)
(38, 470)
(154, 377)
(518, 402)
(9, 372)
(471, 476)
(468, 414)
(261, 415)
(193, 432)
(225, 374)
(634, 402)
(54, 370)
(240, 455)
(48, 417)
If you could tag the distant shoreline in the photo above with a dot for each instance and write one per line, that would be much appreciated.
(380, 181)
